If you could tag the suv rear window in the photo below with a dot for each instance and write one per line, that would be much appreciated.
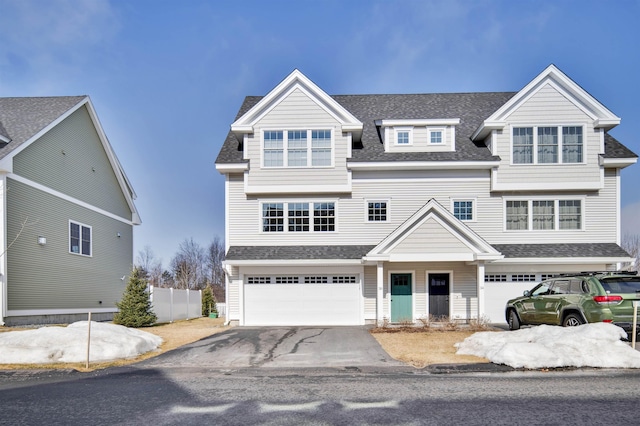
(621, 285)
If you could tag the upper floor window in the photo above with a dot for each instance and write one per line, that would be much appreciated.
(546, 215)
(542, 145)
(463, 210)
(298, 217)
(377, 211)
(297, 148)
(436, 136)
(79, 239)
(404, 136)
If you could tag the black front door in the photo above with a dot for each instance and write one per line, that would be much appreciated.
(439, 295)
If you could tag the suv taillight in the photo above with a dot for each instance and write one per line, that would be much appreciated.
(608, 300)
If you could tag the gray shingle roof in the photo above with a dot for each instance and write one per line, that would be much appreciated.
(22, 118)
(561, 250)
(471, 108)
(297, 252)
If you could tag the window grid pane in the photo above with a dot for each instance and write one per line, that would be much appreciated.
(273, 148)
(517, 215)
(463, 210)
(570, 214)
(436, 136)
(272, 217)
(402, 137)
(324, 217)
(543, 215)
(547, 144)
(572, 144)
(523, 145)
(74, 238)
(297, 148)
(377, 211)
(298, 217)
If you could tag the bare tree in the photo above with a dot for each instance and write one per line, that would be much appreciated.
(215, 257)
(189, 265)
(631, 243)
(150, 266)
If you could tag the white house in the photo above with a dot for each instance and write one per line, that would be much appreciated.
(350, 209)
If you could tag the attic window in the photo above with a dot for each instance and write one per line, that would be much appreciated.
(436, 136)
(404, 136)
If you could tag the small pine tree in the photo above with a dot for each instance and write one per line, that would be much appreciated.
(208, 301)
(135, 307)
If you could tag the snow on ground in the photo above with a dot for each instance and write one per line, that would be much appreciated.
(547, 346)
(69, 344)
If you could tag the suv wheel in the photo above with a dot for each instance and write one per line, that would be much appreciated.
(514, 322)
(572, 320)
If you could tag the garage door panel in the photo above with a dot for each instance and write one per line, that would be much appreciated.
(302, 304)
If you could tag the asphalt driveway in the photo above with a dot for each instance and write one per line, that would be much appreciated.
(281, 347)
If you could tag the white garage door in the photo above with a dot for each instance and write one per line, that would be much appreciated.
(302, 304)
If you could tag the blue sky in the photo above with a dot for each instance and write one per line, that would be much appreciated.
(167, 77)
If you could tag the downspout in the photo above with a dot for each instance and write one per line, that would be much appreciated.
(3, 248)
(227, 278)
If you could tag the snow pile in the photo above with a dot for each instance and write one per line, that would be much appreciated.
(546, 346)
(69, 344)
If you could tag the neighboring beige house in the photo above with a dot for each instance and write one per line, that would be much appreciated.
(66, 210)
(352, 209)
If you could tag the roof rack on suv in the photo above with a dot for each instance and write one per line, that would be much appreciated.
(593, 273)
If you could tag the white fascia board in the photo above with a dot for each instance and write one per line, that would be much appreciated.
(297, 189)
(606, 123)
(294, 262)
(419, 122)
(487, 127)
(32, 312)
(224, 168)
(295, 80)
(74, 200)
(620, 163)
(422, 165)
(564, 260)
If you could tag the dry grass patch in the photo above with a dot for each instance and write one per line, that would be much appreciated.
(420, 349)
(174, 335)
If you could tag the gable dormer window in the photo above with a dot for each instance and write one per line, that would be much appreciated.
(542, 145)
(297, 148)
(404, 136)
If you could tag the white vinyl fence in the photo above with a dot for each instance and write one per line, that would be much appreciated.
(171, 304)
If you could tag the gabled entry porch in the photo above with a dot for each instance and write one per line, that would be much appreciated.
(433, 264)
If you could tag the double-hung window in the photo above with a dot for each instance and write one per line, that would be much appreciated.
(298, 217)
(543, 215)
(79, 239)
(543, 145)
(297, 148)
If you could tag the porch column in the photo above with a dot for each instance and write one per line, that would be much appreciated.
(380, 293)
(480, 279)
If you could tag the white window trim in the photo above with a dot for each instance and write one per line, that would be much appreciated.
(285, 207)
(82, 225)
(377, 200)
(408, 129)
(556, 213)
(442, 131)
(285, 149)
(474, 209)
(560, 141)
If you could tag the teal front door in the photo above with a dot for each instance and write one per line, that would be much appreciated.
(401, 302)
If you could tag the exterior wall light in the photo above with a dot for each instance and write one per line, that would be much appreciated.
(42, 241)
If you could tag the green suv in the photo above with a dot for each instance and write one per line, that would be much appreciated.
(575, 299)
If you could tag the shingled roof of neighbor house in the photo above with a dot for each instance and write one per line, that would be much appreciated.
(23, 118)
(471, 108)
